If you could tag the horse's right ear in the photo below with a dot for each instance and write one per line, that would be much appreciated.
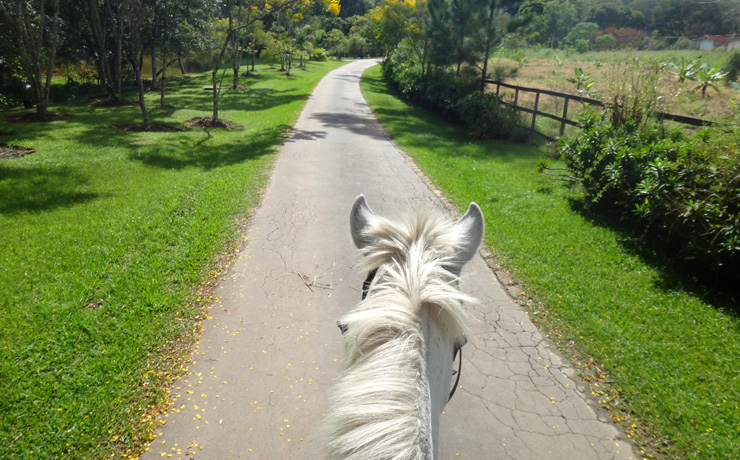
(359, 219)
(472, 225)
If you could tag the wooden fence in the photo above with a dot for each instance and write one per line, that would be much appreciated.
(563, 119)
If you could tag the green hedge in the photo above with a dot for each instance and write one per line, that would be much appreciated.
(455, 98)
(681, 189)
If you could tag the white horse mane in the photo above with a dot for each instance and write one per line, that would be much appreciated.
(376, 410)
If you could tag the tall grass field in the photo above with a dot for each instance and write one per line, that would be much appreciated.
(109, 240)
(658, 353)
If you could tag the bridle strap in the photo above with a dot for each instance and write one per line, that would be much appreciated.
(368, 281)
(458, 352)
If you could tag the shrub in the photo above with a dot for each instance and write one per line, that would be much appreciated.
(455, 98)
(488, 118)
(582, 46)
(680, 189)
(437, 90)
(605, 42)
(318, 54)
(682, 43)
(732, 66)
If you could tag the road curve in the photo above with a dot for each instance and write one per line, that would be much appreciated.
(262, 370)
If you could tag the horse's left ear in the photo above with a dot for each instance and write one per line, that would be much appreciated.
(471, 226)
(360, 218)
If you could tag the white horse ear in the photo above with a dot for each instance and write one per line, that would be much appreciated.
(471, 225)
(359, 219)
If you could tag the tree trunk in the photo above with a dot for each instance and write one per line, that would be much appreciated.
(179, 63)
(164, 77)
(215, 94)
(140, 82)
(32, 39)
(254, 52)
(489, 43)
(118, 60)
(154, 65)
(101, 58)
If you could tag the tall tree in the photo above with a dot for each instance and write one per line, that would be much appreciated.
(36, 27)
(451, 29)
(497, 24)
(136, 14)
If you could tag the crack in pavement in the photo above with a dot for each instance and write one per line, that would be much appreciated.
(257, 384)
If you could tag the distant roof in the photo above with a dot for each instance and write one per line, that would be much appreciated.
(719, 39)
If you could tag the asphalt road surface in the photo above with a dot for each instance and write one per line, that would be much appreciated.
(262, 370)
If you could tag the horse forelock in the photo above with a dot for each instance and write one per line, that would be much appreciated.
(376, 409)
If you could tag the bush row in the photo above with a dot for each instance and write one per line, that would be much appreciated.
(681, 189)
(456, 98)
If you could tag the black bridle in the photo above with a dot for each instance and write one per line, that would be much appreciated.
(458, 348)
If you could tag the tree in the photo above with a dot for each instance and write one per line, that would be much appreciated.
(36, 28)
(498, 24)
(451, 31)
(136, 14)
(554, 22)
(582, 31)
(335, 39)
(619, 16)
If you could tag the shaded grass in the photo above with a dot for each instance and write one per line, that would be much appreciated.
(663, 355)
(109, 242)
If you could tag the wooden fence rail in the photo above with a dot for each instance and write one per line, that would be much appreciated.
(563, 119)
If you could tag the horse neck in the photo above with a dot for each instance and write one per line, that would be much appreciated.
(437, 356)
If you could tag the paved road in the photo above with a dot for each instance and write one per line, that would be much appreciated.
(265, 363)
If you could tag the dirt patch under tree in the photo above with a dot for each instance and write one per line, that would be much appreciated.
(9, 152)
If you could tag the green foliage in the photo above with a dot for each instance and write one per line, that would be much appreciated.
(437, 90)
(684, 69)
(582, 80)
(487, 117)
(582, 46)
(604, 42)
(732, 66)
(681, 188)
(581, 31)
(682, 43)
(357, 46)
(319, 54)
(708, 77)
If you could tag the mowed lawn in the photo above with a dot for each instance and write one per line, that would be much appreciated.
(660, 356)
(109, 242)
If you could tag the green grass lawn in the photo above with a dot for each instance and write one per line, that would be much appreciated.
(109, 240)
(661, 358)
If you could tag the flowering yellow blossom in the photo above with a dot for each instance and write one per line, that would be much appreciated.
(334, 7)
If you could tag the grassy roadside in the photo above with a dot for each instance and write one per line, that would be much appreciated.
(108, 242)
(663, 357)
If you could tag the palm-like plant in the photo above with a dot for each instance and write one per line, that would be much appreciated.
(708, 77)
(685, 70)
(582, 80)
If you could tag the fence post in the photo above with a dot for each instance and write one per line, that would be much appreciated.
(516, 97)
(498, 87)
(534, 114)
(565, 116)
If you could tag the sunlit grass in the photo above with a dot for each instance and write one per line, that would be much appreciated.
(108, 241)
(550, 69)
(664, 357)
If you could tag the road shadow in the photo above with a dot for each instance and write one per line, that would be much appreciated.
(356, 124)
(303, 135)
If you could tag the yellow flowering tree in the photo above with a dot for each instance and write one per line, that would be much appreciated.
(401, 20)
